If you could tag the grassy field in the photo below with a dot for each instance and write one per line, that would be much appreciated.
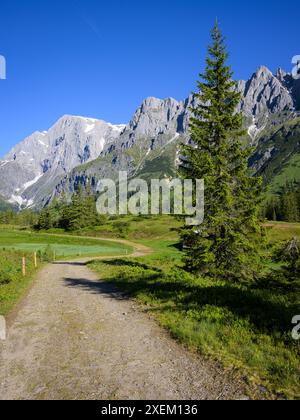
(14, 244)
(63, 246)
(162, 228)
(243, 327)
(12, 283)
(280, 231)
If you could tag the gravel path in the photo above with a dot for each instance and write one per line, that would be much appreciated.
(75, 337)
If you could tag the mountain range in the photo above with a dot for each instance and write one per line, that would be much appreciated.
(81, 151)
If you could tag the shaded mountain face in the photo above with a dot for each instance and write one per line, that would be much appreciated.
(295, 88)
(78, 150)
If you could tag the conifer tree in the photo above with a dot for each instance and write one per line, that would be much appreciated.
(75, 213)
(290, 210)
(44, 221)
(222, 246)
(81, 212)
(90, 216)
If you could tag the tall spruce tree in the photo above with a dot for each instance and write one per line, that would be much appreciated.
(81, 212)
(290, 210)
(223, 245)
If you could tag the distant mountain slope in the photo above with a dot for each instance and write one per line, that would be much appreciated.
(4, 205)
(42, 157)
(277, 157)
(78, 150)
(147, 146)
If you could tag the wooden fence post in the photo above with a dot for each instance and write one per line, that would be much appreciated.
(24, 266)
(35, 260)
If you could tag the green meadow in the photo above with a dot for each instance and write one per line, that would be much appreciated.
(13, 284)
(62, 246)
(247, 328)
(16, 244)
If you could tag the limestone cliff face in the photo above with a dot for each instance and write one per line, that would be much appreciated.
(71, 142)
(265, 94)
(45, 163)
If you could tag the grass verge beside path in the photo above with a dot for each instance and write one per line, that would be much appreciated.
(13, 284)
(64, 246)
(243, 327)
(14, 244)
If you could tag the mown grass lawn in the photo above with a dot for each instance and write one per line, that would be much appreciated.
(62, 246)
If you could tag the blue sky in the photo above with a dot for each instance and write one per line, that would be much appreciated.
(102, 58)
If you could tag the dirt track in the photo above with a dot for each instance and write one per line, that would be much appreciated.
(75, 337)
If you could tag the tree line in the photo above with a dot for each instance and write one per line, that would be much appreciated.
(24, 218)
(71, 215)
(77, 214)
(284, 207)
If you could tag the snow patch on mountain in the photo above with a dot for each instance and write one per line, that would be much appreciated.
(32, 182)
(17, 197)
(254, 130)
(89, 128)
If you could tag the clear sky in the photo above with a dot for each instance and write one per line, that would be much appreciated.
(101, 58)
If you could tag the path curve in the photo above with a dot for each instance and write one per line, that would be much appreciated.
(139, 250)
(75, 337)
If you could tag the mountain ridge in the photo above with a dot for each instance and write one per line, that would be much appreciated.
(48, 163)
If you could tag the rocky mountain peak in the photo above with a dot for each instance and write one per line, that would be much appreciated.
(155, 116)
(281, 75)
(264, 94)
(263, 73)
(154, 122)
(32, 169)
(70, 142)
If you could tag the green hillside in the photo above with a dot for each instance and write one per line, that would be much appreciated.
(288, 174)
(277, 158)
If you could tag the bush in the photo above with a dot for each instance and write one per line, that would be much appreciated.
(47, 255)
(122, 228)
(5, 277)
